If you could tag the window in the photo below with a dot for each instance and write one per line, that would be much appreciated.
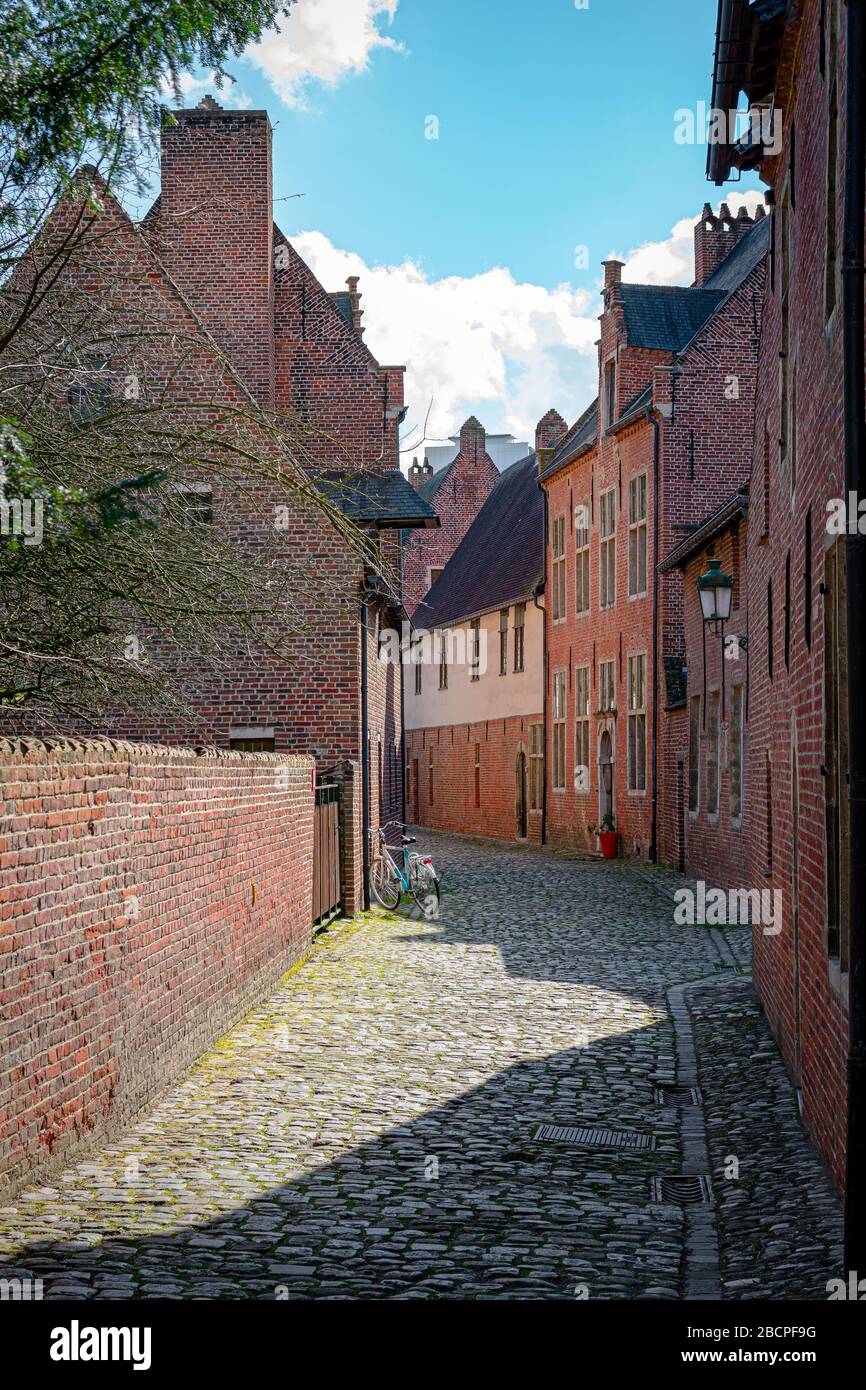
(443, 661)
(713, 737)
(253, 742)
(559, 729)
(581, 558)
(519, 629)
(478, 774)
(694, 753)
(88, 399)
(770, 629)
(418, 670)
(735, 773)
(836, 754)
(786, 645)
(609, 393)
(831, 232)
(503, 641)
(581, 729)
(558, 575)
(607, 550)
(430, 777)
(194, 503)
(807, 580)
(606, 687)
(536, 767)
(766, 527)
(435, 571)
(785, 344)
(792, 430)
(637, 532)
(637, 723)
(475, 649)
(768, 785)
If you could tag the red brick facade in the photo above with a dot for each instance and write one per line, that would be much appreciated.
(794, 746)
(464, 487)
(700, 401)
(150, 896)
(467, 778)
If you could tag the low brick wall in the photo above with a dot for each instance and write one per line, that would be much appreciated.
(443, 760)
(149, 897)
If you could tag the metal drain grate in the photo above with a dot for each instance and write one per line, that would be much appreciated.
(677, 1095)
(593, 1138)
(689, 1190)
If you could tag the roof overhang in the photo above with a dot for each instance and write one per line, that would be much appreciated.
(748, 49)
(720, 520)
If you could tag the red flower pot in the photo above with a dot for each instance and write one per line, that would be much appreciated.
(609, 840)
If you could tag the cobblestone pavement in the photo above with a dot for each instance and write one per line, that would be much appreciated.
(368, 1131)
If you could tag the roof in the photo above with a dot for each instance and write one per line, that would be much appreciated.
(666, 316)
(429, 488)
(749, 251)
(384, 499)
(717, 521)
(748, 43)
(343, 303)
(500, 559)
(581, 436)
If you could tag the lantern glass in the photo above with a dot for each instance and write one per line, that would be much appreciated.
(708, 604)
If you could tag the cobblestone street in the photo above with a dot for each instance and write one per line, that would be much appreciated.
(369, 1131)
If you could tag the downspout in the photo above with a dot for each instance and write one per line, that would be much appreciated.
(365, 759)
(855, 564)
(653, 853)
(544, 676)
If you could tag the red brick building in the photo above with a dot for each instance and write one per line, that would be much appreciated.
(669, 437)
(802, 784)
(457, 493)
(210, 269)
(706, 733)
(475, 693)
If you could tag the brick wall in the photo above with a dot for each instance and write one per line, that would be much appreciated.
(150, 897)
(443, 760)
(804, 996)
(458, 500)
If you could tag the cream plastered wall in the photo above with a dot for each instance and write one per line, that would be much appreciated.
(492, 696)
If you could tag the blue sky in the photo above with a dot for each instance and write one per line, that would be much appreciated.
(555, 132)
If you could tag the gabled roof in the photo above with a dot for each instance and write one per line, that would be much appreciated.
(384, 499)
(666, 316)
(500, 559)
(718, 521)
(580, 437)
(741, 260)
(431, 485)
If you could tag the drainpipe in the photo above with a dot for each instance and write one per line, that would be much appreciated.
(365, 760)
(544, 671)
(855, 565)
(654, 849)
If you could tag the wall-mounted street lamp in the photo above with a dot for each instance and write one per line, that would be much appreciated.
(716, 591)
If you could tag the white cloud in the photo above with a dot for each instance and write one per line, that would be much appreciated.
(672, 262)
(487, 344)
(322, 40)
(192, 88)
(471, 342)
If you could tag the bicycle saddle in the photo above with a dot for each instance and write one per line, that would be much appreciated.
(407, 840)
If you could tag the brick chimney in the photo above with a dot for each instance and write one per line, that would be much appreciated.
(548, 432)
(355, 302)
(716, 236)
(473, 440)
(420, 472)
(215, 230)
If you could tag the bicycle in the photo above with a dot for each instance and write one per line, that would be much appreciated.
(389, 880)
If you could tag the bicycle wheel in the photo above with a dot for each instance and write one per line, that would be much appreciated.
(384, 883)
(425, 889)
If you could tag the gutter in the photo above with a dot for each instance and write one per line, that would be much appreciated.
(365, 753)
(654, 849)
(855, 568)
(539, 588)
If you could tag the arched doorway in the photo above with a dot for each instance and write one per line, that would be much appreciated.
(521, 797)
(605, 775)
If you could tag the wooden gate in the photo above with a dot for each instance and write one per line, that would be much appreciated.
(327, 884)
